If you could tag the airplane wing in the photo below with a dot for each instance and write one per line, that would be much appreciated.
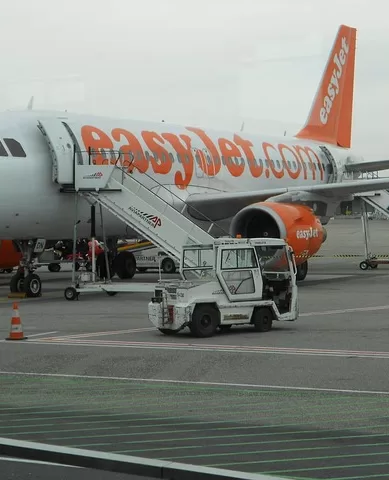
(374, 166)
(215, 205)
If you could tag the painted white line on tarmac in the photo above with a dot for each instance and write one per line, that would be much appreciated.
(38, 334)
(212, 348)
(188, 382)
(104, 333)
(345, 310)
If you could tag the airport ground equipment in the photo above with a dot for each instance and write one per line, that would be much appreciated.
(123, 195)
(155, 258)
(371, 260)
(54, 259)
(231, 281)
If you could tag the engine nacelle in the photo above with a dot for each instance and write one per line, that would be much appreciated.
(296, 224)
(9, 254)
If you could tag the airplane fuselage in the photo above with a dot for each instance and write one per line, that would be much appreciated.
(184, 160)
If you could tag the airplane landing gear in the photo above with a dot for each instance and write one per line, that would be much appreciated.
(302, 271)
(25, 280)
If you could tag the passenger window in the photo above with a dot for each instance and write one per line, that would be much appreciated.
(103, 153)
(14, 147)
(171, 157)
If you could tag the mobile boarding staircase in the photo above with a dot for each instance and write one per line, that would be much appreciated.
(380, 202)
(118, 191)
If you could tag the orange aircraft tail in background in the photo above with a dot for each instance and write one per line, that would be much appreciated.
(330, 118)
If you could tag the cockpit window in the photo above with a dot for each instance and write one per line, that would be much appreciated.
(14, 147)
(3, 151)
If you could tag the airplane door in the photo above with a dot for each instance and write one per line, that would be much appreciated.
(200, 156)
(63, 147)
(331, 167)
(197, 161)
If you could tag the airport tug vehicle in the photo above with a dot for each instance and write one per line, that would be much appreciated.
(233, 281)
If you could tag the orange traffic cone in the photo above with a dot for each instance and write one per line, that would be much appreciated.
(16, 332)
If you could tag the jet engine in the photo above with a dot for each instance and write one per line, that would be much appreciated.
(294, 223)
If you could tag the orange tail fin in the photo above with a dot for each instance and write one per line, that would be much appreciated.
(330, 118)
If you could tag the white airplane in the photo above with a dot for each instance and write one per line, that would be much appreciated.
(253, 185)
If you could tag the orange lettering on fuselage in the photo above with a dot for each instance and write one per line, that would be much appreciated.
(281, 159)
(307, 151)
(210, 166)
(255, 168)
(160, 159)
(276, 173)
(291, 173)
(229, 150)
(133, 155)
(184, 153)
(98, 141)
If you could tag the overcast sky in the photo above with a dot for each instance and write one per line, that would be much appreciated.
(214, 63)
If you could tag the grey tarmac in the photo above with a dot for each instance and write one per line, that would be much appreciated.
(309, 399)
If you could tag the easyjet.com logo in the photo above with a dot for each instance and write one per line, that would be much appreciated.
(308, 233)
(339, 60)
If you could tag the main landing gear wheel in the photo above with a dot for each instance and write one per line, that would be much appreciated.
(363, 265)
(71, 293)
(125, 265)
(16, 283)
(302, 271)
(32, 285)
